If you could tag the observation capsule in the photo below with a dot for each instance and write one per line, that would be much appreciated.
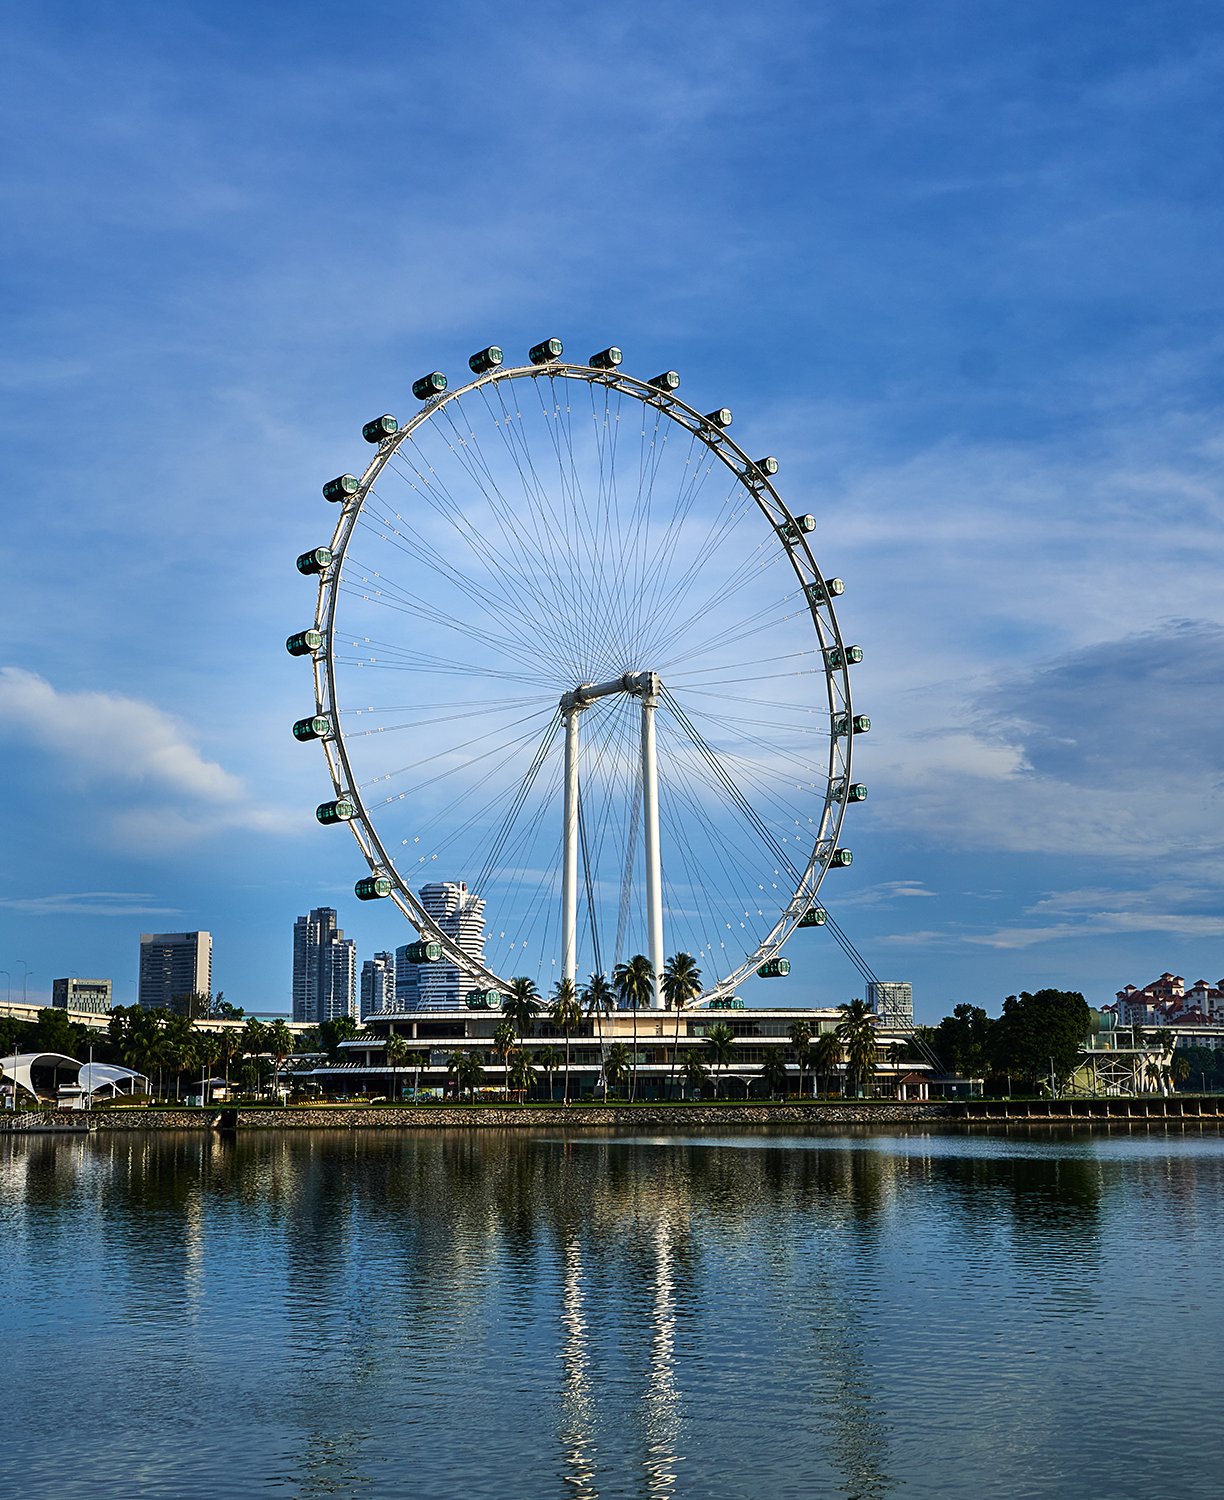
(339, 811)
(424, 953)
(855, 792)
(774, 968)
(815, 916)
(483, 999)
(429, 385)
(340, 488)
(820, 593)
(317, 561)
(542, 354)
(719, 418)
(792, 529)
(860, 726)
(485, 359)
(606, 359)
(732, 1002)
(381, 427)
(840, 858)
(372, 888)
(668, 381)
(767, 466)
(304, 642)
(853, 655)
(313, 728)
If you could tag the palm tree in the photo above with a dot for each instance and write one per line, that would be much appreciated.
(522, 1005)
(1181, 1070)
(598, 999)
(896, 1054)
(634, 983)
(254, 1040)
(615, 1066)
(504, 1039)
(416, 1062)
(565, 1013)
(826, 1055)
(208, 1050)
(773, 1074)
(467, 1070)
(518, 1071)
(800, 1033)
(694, 1070)
(681, 983)
(230, 1045)
(856, 1032)
(549, 1060)
(720, 1040)
(397, 1056)
(280, 1044)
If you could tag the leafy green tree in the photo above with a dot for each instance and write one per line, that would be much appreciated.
(231, 1047)
(519, 1072)
(962, 1041)
(615, 1067)
(681, 984)
(597, 1000)
(773, 1074)
(565, 1013)
(208, 1051)
(1035, 1028)
(720, 1044)
(694, 1070)
(416, 1062)
(280, 1045)
(856, 1032)
(397, 1056)
(504, 1039)
(332, 1033)
(634, 983)
(467, 1071)
(800, 1033)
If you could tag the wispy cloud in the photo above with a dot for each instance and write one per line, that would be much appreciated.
(89, 904)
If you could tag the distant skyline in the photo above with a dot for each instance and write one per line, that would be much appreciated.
(958, 267)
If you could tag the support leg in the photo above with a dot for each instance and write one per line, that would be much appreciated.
(650, 807)
(569, 868)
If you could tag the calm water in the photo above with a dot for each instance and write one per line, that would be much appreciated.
(528, 1316)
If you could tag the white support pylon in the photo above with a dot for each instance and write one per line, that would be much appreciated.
(650, 808)
(569, 867)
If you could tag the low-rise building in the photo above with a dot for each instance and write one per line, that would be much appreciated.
(92, 996)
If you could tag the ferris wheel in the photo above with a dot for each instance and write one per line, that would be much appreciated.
(572, 649)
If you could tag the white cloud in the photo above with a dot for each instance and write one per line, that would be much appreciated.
(161, 792)
(89, 904)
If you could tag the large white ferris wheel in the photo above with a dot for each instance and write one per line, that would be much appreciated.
(572, 648)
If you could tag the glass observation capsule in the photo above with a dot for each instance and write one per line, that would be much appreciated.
(304, 642)
(315, 562)
(429, 385)
(732, 1002)
(774, 968)
(767, 466)
(855, 792)
(340, 488)
(424, 953)
(719, 418)
(381, 427)
(313, 728)
(815, 916)
(485, 359)
(840, 858)
(820, 593)
(668, 381)
(339, 811)
(372, 888)
(860, 726)
(852, 656)
(606, 359)
(541, 354)
(483, 999)
(792, 529)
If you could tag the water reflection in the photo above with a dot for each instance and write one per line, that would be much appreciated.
(353, 1313)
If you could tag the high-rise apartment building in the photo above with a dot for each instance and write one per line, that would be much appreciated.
(892, 1000)
(440, 985)
(93, 995)
(324, 969)
(174, 966)
(377, 984)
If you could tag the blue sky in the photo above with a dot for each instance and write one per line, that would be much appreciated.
(957, 265)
